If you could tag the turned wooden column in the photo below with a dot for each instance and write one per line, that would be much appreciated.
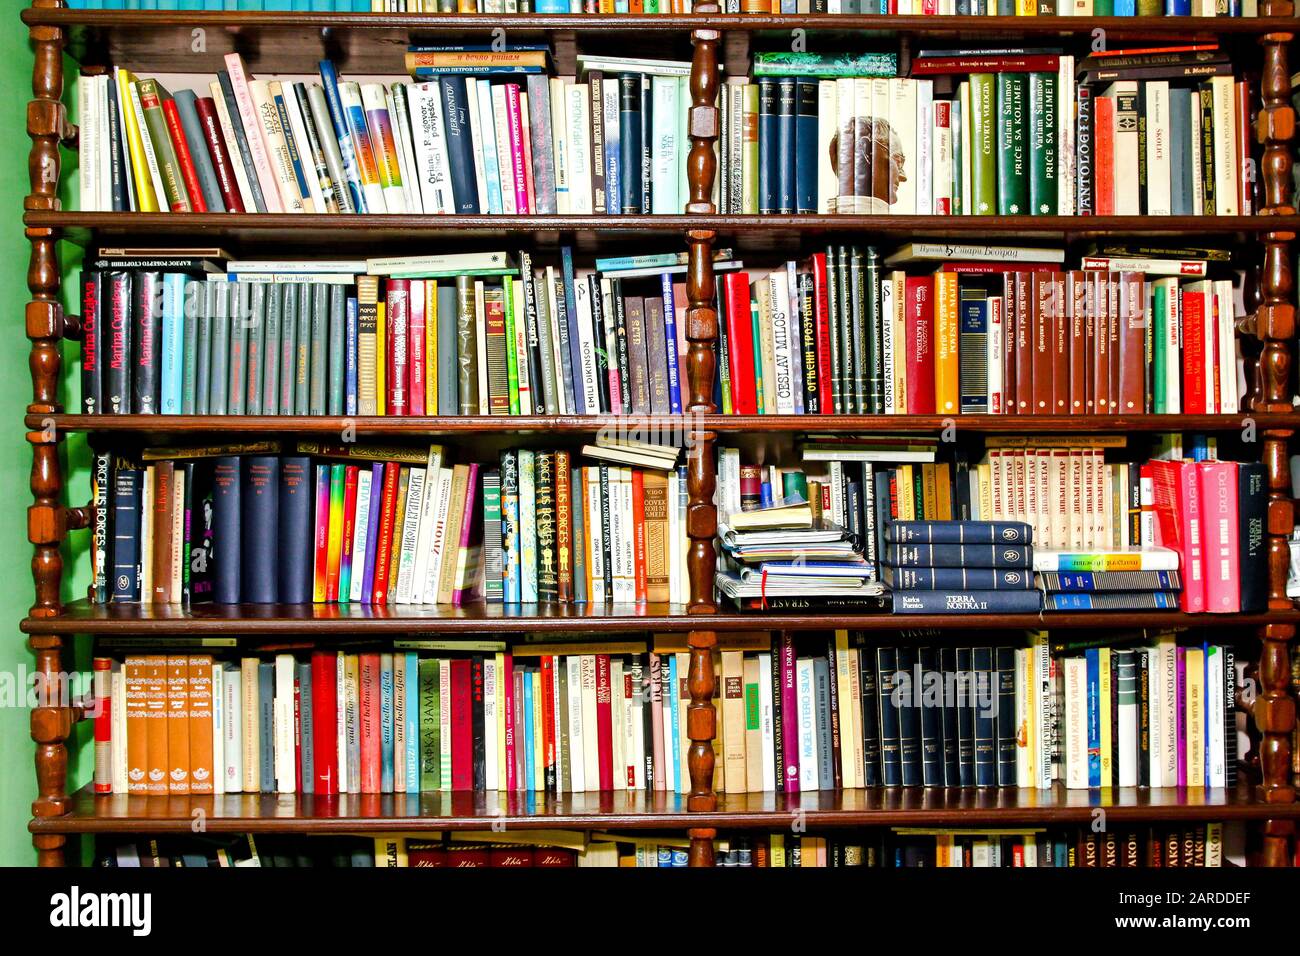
(1274, 709)
(702, 515)
(52, 718)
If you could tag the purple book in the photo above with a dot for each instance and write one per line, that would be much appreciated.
(470, 555)
(789, 715)
(372, 529)
(1181, 722)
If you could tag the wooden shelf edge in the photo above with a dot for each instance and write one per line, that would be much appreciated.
(671, 424)
(914, 24)
(358, 813)
(333, 620)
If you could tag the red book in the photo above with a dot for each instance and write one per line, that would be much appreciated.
(1007, 63)
(1222, 536)
(740, 344)
(638, 531)
(320, 564)
(324, 706)
(822, 312)
(554, 856)
(462, 732)
(372, 731)
(397, 312)
(220, 156)
(183, 157)
(549, 775)
(1194, 357)
(1103, 155)
(506, 679)
(510, 856)
(920, 345)
(415, 347)
(103, 671)
(1176, 503)
(425, 853)
(384, 543)
(297, 732)
(604, 723)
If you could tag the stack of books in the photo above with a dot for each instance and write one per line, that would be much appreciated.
(968, 329)
(960, 567)
(480, 130)
(788, 552)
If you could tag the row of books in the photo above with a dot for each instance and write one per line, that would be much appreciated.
(1090, 533)
(1139, 133)
(384, 526)
(841, 332)
(419, 717)
(487, 334)
(1119, 8)
(479, 131)
(1162, 845)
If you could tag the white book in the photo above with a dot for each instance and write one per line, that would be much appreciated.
(828, 183)
(409, 534)
(490, 769)
(590, 752)
(285, 769)
(1226, 346)
(965, 201)
(589, 380)
(560, 142)
(1215, 775)
(617, 725)
(765, 719)
(807, 725)
(1173, 341)
(117, 717)
(360, 528)
(1168, 693)
(1076, 723)
(429, 142)
(1227, 176)
(297, 131)
(553, 319)
(1155, 751)
(596, 557)
(664, 148)
(254, 133)
(618, 575)
(89, 134)
(341, 718)
(216, 675)
(670, 766)
(1159, 163)
(375, 103)
(500, 134)
(1022, 698)
(146, 144)
(232, 730)
(399, 111)
(1126, 734)
(429, 517)
(783, 348)
(627, 544)
(1067, 117)
(922, 160)
(277, 146)
(228, 134)
(902, 117)
(577, 133)
(577, 739)
(995, 343)
(1123, 94)
(941, 147)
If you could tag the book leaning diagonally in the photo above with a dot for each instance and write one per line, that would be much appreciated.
(255, 133)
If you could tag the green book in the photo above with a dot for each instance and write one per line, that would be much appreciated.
(271, 340)
(430, 751)
(219, 308)
(194, 302)
(1160, 358)
(302, 352)
(320, 307)
(336, 349)
(1103, 8)
(256, 346)
(512, 353)
(1044, 179)
(288, 347)
(1012, 146)
(851, 355)
(984, 142)
(825, 65)
(240, 320)
(756, 327)
(152, 96)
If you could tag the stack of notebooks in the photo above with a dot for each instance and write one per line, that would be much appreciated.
(965, 567)
(794, 556)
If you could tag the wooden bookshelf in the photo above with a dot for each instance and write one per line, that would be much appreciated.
(160, 41)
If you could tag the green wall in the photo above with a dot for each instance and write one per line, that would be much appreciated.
(17, 776)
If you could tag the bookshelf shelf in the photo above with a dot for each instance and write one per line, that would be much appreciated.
(81, 617)
(159, 41)
(669, 424)
(356, 813)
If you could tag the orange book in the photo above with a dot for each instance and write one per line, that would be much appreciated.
(200, 723)
(178, 724)
(656, 537)
(638, 531)
(947, 388)
(161, 520)
(137, 726)
(155, 702)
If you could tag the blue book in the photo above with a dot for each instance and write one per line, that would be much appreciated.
(966, 717)
(949, 721)
(127, 483)
(768, 160)
(959, 532)
(958, 555)
(259, 529)
(296, 532)
(1071, 581)
(1125, 8)
(277, 5)
(670, 339)
(1114, 601)
(171, 384)
(673, 705)
(613, 184)
(330, 83)
(891, 765)
(551, 6)
(266, 725)
(966, 602)
(630, 108)
(805, 150)
(986, 710)
(1093, 660)
(909, 717)
(1178, 8)
(350, 359)
(226, 522)
(664, 856)
(412, 692)
(932, 729)
(822, 709)
(386, 754)
(306, 736)
(1005, 659)
(958, 579)
(530, 678)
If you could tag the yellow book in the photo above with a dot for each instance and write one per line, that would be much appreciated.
(1026, 8)
(776, 850)
(390, 851)
(145, 197)
(947, 389)
(906, 494)
(733, 718)
(431, 347)
(381, 362)
(850, 730)
(943, 490)
(1103, 697)
(929, 492)
(1195, 732)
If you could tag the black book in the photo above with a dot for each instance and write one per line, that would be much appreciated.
(196, 576)
(116, 340)
(875, 329)
(986, 706)
(909, 718)
(1115, 659)
(460, 144)
(890, 719)
(295, 514)
(128, 484)
(932, 767)
(1252, 507)
(837, 741)
(647, 144)
(629, 143)
(1005, 662)
(948, 721)
(117, 166)
(621, 337)
(1144, 722)
(605, 542)
(92, 343)
(600, 347)
(870, 704)
(226, 528)
(145, 360)
(1229, 716)
(259, 551)
(852, 358)
(534, 342)
(477, 728)
(102, 495)
(565, 371)
(647, 669)
(966, 697)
